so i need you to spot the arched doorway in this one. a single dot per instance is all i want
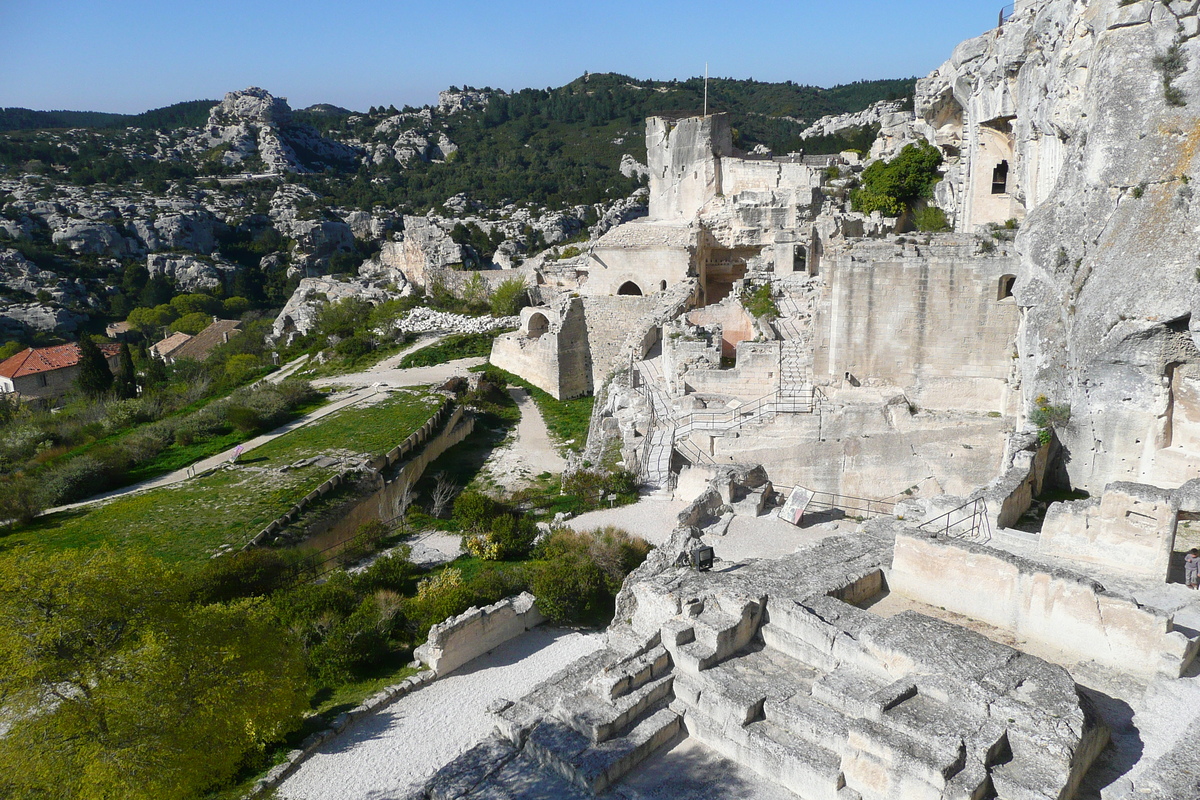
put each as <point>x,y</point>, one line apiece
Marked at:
<point>630,288</point>
<point>1005,290</point>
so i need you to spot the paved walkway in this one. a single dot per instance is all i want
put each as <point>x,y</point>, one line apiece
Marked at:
<point>385,755</point>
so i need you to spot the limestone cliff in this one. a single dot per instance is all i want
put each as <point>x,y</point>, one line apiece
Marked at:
<point>1097,103</point>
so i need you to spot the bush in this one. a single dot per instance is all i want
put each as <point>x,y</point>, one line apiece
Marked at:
<point>355,346</point>
<point>931,219</point>
<point>509,297</point>
<point>19,499</point>
<point>244,420</point>
<point>474,511</point>
<point>889,186</point>
<point>85,475</point>
<point>358,641</point>
<point>760,301</point>
<point>438,597</point>
<point>240,368</point>
<point>581,573</point>
<point>393,571</point>
<point>256,572</point>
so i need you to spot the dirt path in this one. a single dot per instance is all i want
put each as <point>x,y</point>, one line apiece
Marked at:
<point>529,452</point>
<point>389,753</point>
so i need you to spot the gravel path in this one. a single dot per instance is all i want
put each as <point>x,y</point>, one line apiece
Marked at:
<point>652,518</point>
<point>395,377</point>
<point>385,755</point>
<point>529,453</point>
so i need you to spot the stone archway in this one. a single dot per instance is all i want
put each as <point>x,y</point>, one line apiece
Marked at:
<point>536,325</point>
<point>630,288</point>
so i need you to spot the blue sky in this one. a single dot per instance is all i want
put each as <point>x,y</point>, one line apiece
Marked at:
<point>131,55</point>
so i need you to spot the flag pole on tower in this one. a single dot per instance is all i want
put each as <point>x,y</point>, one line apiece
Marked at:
<point>706,88</point>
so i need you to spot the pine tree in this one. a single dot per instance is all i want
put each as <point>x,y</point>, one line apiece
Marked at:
<point>126,380</point>
<point>95,378</point>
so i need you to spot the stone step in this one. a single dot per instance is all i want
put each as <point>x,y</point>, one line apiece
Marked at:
<point>809,720</point>
<point>699,642</point>
<point>625,676</point>
<point>810,771</point>
<point>594,767</point>
<point>601,719</point>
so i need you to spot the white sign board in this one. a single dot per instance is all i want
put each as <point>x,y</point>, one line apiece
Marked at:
<point>793,509</point>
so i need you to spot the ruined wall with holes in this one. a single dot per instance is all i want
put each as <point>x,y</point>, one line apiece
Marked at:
<point>551,350</point>
<point>930,320</point>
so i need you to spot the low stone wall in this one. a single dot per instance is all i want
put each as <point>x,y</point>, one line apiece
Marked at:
<point>1057,608</point>
<point>376,702</point>
<point>476,631</point>
<point>1130,527</point>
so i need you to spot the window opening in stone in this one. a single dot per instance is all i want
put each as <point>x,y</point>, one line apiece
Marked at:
<point>630,288</point>
<point>538,324</point>
<point>1006,287</point>
<point>799,259</point>
<point>662,286</point>
<point>1000,178</point>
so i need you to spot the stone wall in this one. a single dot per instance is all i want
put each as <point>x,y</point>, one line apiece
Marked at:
<point>872,451</point>
<point>651,256</point>
<point>929,320</point>
<point>736,323</point>
<point>755,375</point>
<point>476,631</point>
<point>1130,527</point>
<point>610,321</point>
<point>684,161</point>
<point>558,360</point>
<point>1055,608</point>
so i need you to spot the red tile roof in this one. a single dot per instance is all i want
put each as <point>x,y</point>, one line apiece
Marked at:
<point>48,359</point>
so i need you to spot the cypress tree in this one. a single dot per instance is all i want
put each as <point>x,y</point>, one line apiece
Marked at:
<point>95,378</point>
<point>126,380</point>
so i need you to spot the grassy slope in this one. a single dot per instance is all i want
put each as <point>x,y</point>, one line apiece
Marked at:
<point>190,520</point>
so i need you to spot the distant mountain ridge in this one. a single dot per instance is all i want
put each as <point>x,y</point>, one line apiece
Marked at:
<point>190,113</point>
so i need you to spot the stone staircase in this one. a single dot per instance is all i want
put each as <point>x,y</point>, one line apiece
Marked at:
<point>599,722</point>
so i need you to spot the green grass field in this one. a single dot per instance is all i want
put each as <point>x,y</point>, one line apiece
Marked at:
<point>191,520</point>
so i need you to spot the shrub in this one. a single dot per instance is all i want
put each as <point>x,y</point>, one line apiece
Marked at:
<point>358,641</point>
<point>240,368</point>
<point>509,297</point>
<point>760,301</point>
<point>256,572</point>
<point>19,499</point>
<point>355,346</point>
<point>85,475</point>
<point>244,420</point>
<point>889,186</point>
<point>393,571</point>
<point>581,573</point>
<point>438,597</point>
<point>931,219</point>
<point>474,511</point>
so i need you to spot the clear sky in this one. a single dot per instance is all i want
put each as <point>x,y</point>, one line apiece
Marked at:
<point>132,55</point>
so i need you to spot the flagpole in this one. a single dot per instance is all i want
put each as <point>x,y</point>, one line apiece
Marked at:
<point>706,88</point>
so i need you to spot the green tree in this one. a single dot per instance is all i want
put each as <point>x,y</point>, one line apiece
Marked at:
<point>95,378</point>
<point>150,321</point>
<point>125,382</point>
<point>185,304</point>
<point>890,186</point>
<point>117,686</point>
<point>192,323</point>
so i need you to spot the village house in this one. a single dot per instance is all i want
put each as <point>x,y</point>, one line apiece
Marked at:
<point>45,373</point>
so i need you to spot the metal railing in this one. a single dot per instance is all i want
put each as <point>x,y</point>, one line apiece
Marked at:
<point>833,504</point>
<point>1006,13</point>
<point>804,401</point>
<point>969,521</point>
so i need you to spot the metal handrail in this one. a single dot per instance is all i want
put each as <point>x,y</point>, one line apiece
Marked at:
<point>1006,13</point>
<point>979,528</point>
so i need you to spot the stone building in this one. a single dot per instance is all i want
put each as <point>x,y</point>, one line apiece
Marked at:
<point>47,373</point>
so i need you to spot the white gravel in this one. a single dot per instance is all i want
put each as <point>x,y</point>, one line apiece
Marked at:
<point>401,747</point>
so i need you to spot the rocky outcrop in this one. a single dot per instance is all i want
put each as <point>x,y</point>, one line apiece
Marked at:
<point>252,122</point>
<point>1104,143</point>
<point>194,230</point>
<point>868,117</point>
<point>453,100</point>
<point>190,273</point>
<point>299,315</point>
